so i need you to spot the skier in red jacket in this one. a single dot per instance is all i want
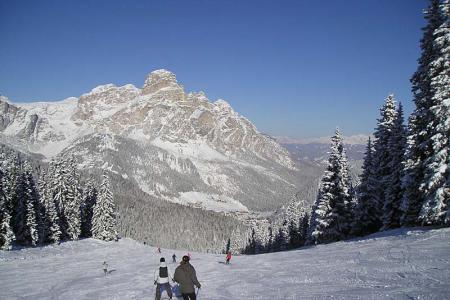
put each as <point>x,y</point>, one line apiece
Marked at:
<point>228,257</point>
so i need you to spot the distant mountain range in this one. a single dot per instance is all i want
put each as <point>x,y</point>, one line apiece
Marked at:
<point>357,139</point>
<point>316,149</point>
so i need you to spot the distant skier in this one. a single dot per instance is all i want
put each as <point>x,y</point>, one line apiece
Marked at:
<point>162,279</point>
<point>228,258</point>
<point>105,268</point>
<point>187,278</point>
<point>159,249</point>
<point>174,258</point>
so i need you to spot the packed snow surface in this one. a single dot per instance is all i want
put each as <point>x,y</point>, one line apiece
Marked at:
<point>397,264</point>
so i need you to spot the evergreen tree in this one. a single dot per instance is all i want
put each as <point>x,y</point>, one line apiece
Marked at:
<point>294,235</point>
<point>228,246</point>
<point>393,195</point>
<point>6,234</point>
<point>294,215</point>
<point>282,239</point>
<point>251,245</point>
<point>73,198</point>
<point>330,215</point>
<point>382,155</point>
<point>436,183</point>
<point>52,233</point>
<point>104,218</point>
<point>11,180</point>
<point>31,202</point>
<point>87,206</point>
<point>367,207</point>
<point>59,191</point>
<point>19,205</point>
<point>269,246</point>
<point>303,228</point>
<point>419,140</point>
<point>237,241</point>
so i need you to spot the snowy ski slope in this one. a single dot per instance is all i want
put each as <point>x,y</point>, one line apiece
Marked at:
<point>397,264</point>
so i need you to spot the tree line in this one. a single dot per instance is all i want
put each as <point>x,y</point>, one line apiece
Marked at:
<point>51,204</point>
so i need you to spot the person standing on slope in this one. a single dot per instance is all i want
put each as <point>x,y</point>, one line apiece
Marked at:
<point>105,267</point>
<point>187,278</point>
<point>162,279</point>
<point>228,258</point>
<point>174,258</point>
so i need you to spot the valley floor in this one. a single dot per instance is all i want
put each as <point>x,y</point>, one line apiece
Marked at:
<point>397,264</point>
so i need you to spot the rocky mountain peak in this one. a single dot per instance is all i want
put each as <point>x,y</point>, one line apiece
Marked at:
<point>160,80</point>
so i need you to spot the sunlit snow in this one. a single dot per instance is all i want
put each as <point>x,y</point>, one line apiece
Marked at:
<point>397,264</point>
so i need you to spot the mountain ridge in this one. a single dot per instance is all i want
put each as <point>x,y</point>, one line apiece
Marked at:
<point>173,145</point>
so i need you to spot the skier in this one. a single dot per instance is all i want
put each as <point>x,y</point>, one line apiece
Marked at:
<point>162,279</point>
<point>228,258</point>
<point>159,250</point>
<point>105,267</point>
<point>185,275</point>
<point>174,258</point>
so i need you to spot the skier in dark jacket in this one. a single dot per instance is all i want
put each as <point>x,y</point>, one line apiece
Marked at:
<point>162,279</point>
<point>174,258</point>
<point>185,275</point>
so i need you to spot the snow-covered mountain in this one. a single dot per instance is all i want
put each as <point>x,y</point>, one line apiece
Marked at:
<point>174,145</point>
<point>396,264</point>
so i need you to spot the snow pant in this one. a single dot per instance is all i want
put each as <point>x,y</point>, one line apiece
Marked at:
<point>160,288</point>
<point>106,271</point>
<point>190,296</point>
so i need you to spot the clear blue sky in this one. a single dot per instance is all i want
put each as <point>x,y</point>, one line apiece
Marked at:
<point>296,68</point>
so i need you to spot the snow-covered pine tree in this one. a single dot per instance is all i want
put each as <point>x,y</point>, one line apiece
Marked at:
<point>30,194</point>
<point>382,155</point>
<point>303,228</point>
<point>73,198</point>
<point>237,241</point>
<point>419,142</point>
<point>52,233</point>
<point>436,184</point>
<point>366,212</point>
<point>281,240</point>
<point>25,216</point>
<point>330,216</point>
<point>19,205</point>
<point>295,213</point>
<point>227,246</point>
<point>393,195</point>
<point>11,167</point>
<point>58,191</point>
<point>250,248</point>
<point>268,246</point>
<point>87,206</point>
<point>7,236</point>
<point>104,218</point>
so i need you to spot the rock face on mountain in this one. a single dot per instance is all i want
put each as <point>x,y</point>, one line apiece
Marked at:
<point>177,146</point>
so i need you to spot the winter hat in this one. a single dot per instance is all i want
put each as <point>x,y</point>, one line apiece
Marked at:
<point>186,258</point>
<point>162,259</point>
